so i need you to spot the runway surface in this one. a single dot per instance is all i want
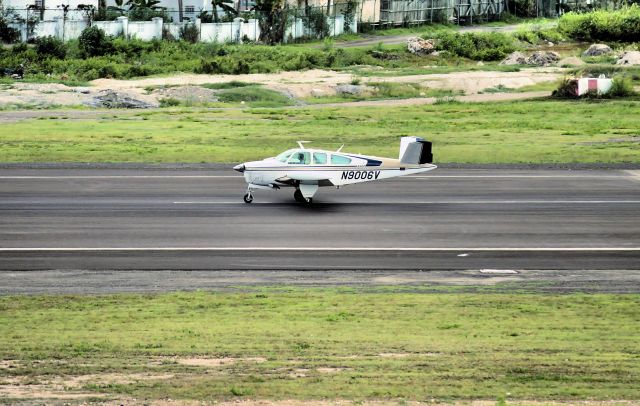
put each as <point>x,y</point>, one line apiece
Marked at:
<point>105,219</point>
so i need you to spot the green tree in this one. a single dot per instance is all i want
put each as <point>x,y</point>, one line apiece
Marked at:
<point>226,5</point>
<point>273,16</point>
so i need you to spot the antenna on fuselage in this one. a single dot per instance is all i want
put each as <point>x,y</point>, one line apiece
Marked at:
<point>340,149</point>
<point>301,144</point>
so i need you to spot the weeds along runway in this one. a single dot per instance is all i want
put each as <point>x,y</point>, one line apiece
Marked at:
<point>107,219</point>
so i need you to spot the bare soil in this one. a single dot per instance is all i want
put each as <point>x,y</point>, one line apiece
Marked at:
<point>297,85</point>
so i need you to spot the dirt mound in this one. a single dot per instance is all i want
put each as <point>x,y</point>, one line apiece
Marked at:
<point>629,58</point>
<point>190,93</point>
<point>115,100</point>
<point>543,58</point>
<point>571,61</point>
<point>597,50</point>
<point>419,46</point>
<point>515,58</point>
<point>538,58</point>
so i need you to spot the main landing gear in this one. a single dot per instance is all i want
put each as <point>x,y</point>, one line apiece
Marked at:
<point>248,197</point>
<point>300,198</point>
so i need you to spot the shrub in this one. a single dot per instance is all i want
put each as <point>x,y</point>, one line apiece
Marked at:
<point>255,95</point>
<point>527,35</point>
<point>621,25</point>
<point>189,33</point>
<point>478,46</point>
<point>94,42</point>
<point>567,89</point>
<point>8,35</point>
<point>391,90</point>
<point>622,87</point>
<point>51,47</point>
<point>169,102</point>
<point>316,22</point>
<point>551,34</point>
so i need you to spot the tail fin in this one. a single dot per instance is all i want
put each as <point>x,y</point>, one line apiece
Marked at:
<point>415,151</point>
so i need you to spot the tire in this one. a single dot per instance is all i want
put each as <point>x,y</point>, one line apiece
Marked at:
<point>248,198</point>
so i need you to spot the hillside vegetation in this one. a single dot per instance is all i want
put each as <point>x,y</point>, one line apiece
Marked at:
<point>603,25</point>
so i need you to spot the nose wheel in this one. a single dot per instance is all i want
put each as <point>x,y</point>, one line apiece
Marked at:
<point>248,198</point>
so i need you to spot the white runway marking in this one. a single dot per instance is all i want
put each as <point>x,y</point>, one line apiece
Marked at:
<point>477,202</point>
<point>335,249</point>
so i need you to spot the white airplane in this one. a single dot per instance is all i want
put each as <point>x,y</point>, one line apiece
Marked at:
<point>308,169</point>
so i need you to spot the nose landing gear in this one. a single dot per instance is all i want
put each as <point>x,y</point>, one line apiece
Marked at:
<point>300,198</point>
<point>248,198</point>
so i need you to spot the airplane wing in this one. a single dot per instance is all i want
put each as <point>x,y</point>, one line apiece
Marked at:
<point>306,178</point>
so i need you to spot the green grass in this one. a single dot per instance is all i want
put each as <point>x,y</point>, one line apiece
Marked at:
<point>540,131</point>
<point>437,66</point>
<point>227,85</point>
<point>255,96</point>
<point>452,346</point>
<point>385,91</point>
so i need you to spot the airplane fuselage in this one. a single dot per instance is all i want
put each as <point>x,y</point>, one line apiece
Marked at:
<point>308,169</point>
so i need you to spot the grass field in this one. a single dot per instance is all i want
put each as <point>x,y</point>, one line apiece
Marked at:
<point>512,132</point>
<point>328,343</point>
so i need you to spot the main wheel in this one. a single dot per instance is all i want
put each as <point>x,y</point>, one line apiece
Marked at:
<point>299,197</point>
<point>248,198</point>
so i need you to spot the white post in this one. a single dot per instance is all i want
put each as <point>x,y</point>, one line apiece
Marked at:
<point>157,24</point>
<point>124,24</point>
<point>199,27</point>
<point>59,27</point>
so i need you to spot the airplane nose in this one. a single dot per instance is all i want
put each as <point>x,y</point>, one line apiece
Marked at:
<point>239,168</point>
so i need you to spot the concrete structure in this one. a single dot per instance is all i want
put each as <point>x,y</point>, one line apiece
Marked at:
<point>598,85</point>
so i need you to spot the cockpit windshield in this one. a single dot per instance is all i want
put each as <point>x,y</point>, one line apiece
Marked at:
<point>300,158</point>
<point>283,157</point>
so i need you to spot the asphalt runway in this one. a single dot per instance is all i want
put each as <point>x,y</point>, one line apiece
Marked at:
<point>448,219</point>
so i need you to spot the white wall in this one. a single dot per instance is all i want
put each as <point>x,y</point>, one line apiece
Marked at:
<point>221,32</point>
<point>145,30</point>
<point>148,30</point>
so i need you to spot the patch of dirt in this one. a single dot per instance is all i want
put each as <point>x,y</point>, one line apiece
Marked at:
<point>331,370</point>
<point>407,354</point>
<point>195,94</point>
<point>215,362</point>
<point>8,364</point>
<point>297,85</point>
<point>68,387</point>
<point>571,61</point>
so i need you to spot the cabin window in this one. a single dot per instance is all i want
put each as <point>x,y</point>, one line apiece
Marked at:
<point>284,157</point>
<point>319,158</point>
<point>340,160</point>
<point>300,158</point>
